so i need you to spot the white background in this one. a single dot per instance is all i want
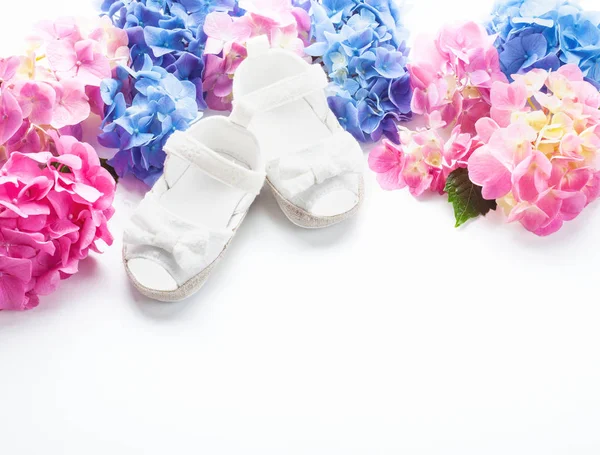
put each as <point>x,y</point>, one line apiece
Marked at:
<point>391,334</point>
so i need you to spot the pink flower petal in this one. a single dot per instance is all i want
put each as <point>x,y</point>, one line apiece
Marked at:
<point>11,117</point>
<point>87,192</point>
<point>72,106</point>
<point>385,157</point>
<point>416,175</point>
<point>8,67</point>
<point>63,28</point>
<point>279,11</point>
<point>47,283</point>
<point>36,100</point>
<point>550,228</point>
<point>12,293</point>
<point>388,162</point>
<point>218,103</point>
<point>571,72</point>
<point>62,57</point>
<point>92,72</point>
<point>530,216</point>
<point>550,204</point>
<point>485,127</point>
<point>509,97</point>
<point>18,268</point>
<point>572,206</point>
<point>219,25</point>
<point>480,77</point>
<point>85,50</point>
<point>592,189</point>
<point>489,173</point>
<point>576,179</point>
<point>223,86</point>
<point>419,103</point>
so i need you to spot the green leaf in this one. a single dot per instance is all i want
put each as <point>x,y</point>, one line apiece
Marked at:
<point>109,168</point>
<point>466,197</point>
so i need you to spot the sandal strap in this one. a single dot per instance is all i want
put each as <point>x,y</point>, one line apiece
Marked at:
<point>184,146</point>
<point>154,232</point>
<point>298,171</point>
<point>278,94</point>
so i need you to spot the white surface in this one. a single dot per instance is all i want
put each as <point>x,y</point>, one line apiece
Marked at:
<point>402,336</point>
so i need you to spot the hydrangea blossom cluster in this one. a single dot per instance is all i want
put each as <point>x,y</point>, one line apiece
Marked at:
<point>56,85</point>
<point>451,78</point>
<point>55,198</point>
<point>143,108</point>
<point>184,54</point>
<point>166,41</point>
<point>423,160</point>
<point>170,32</point>
<point>362,45</point>
<point>546,34</point>
<point>540,157</point>
<point>54,208</point>
<point>287,27</point>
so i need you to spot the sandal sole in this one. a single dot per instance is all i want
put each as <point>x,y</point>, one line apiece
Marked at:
<point>306,220</point>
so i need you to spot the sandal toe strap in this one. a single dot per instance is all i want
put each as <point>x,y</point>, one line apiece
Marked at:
<point>156,233</point>
<point>297,172</point>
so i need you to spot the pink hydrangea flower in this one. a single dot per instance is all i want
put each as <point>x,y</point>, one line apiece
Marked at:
<point>540,152</point>
<point>422,162</point>
<point>57,84</point>
<point>222,30</point>
<point>218,77</point>
<point>78,61</point>
<point>54,209</point>
<point>531,145</point>
<point>287,27</point>
<point>452,76</point>
<point>55,198</point>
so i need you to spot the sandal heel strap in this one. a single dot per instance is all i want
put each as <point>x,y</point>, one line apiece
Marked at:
<point>278,94</point>
<point>184,146</point>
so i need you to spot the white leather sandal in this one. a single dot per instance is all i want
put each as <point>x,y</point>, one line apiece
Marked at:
<point>314,167</point>
<point>184,224</point>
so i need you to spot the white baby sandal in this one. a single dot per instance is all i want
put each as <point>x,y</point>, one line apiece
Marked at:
<point>184,224</point>
<point>314,167</point>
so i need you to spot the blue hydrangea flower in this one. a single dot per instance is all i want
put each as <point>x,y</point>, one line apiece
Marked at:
<point>362,45</point>
<point>165,27</point>
<point>143,108</point>
<point>546,34</point>
<point>161,92</point>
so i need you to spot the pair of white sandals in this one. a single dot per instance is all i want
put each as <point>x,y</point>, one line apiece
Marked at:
<point>215,170</point>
